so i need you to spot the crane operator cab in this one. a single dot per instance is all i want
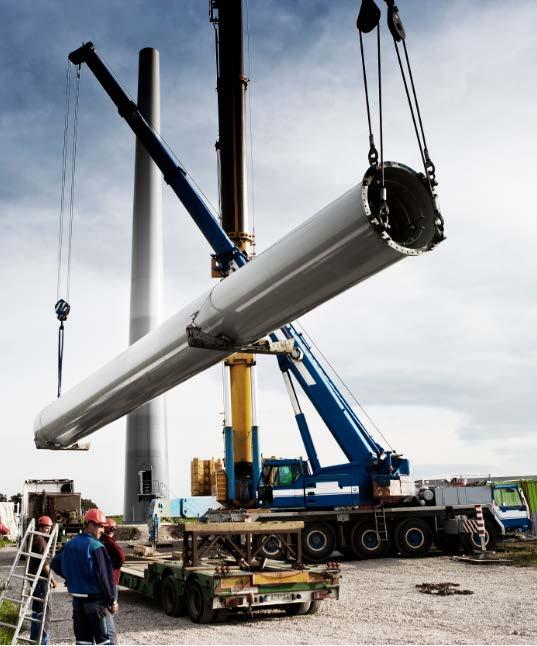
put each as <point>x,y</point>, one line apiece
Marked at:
<point>289,483</point>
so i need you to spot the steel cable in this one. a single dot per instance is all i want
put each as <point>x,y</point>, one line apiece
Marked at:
<point>72,193</point>
<point>63,173</point>
<point>341,382</point>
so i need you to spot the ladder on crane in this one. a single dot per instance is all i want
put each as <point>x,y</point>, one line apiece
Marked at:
<point>20,588</point>
<point>380,524</point>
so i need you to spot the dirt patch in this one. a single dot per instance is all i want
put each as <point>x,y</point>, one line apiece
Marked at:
<point>442,589</point>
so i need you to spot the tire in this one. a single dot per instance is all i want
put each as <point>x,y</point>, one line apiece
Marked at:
<point>318,542</point>
<point>272,549</point>
<point>413,537</point>
<point>472,542</point>
<point>295,609</point>
<point>365,543</point>
<point>198,607</point>
<point>314,607</point>
<point>172,602</point>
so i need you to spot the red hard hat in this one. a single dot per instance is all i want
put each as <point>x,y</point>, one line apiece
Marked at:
<point>110,525</point>
<point>95,516</point>
<point>46,521</point>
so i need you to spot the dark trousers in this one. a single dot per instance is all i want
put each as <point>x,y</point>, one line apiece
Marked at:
<point>91,621</point>
<point>37,613</point>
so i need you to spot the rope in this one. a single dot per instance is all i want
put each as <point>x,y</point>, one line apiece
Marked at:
<point>63,172</point>
<point>167,145</point>
<point>411,107</point>
<point>342,383</point>
<point>372,156</point>
<point>415,96</point>
<point>60,357</point>
<point>62,307</point>
<point>72,195</point>
<point>383,204</point>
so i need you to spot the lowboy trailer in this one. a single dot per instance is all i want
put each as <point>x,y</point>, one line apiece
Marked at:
<point>223,569</point>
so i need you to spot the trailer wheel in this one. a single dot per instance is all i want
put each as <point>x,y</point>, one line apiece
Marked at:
<point>198,606</point>
<point>220,615</point>
<point>314,607</point>
<point>173,603</point>
<point>473,542</point>
<point>272,548</point>
<point>365,542</point>
<point>413,537</point>
<point>318,542</point>
<point>295,609</point>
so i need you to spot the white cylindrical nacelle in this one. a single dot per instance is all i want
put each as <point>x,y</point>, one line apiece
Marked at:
<point>335,249</point>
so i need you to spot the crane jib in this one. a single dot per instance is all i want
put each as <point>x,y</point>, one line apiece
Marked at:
<point>226,253</point>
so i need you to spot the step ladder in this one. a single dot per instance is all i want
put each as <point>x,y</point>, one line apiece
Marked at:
<point>380,524</point>
<point>20,588</point>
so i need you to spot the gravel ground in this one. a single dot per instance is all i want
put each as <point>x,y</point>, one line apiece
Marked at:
<point>379,604</point>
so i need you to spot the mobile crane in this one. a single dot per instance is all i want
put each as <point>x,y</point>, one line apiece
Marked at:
<point>372,474</point>
<point>368,504</point>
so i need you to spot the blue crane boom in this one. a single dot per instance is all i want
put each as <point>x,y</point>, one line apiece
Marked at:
<point>340,418</point>
<point>227,255</point>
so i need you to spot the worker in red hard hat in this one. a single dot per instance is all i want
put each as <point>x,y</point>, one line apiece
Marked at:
<point>87,570</point>
<point>117,558</point>
<point>116,554</point>
<point>44,615</point>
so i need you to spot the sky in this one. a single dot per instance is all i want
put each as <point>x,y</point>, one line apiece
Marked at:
<point>440,349</point>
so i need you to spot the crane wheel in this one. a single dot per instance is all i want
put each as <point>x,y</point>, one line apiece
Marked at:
<point>413,537</point>
<point>172,602</point>
<point>365,543</point>
<point>199,608</point>
<point>472,542</point>
<point>318,542</point>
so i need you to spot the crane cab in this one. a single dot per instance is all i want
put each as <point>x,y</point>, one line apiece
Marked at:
<point>290,483</point>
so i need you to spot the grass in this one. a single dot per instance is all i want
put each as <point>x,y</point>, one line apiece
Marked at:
<point>522,554</point>
<point>8,613</point>
<point>4,542</point>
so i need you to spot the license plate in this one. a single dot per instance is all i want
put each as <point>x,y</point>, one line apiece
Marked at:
<point>280,596</point>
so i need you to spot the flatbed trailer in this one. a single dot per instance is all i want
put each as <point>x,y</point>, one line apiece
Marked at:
<point>375,532</point>
<point>222,570</point>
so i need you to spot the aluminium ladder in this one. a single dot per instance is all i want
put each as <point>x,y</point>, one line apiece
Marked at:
<point>23,594</point>
<point>380,524</point>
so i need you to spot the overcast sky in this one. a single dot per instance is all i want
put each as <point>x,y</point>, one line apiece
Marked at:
<point>440,349</point>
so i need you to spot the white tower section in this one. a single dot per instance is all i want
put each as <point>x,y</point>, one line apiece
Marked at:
<point>146,454</point>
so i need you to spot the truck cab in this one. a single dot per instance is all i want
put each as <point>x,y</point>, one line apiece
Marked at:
<point>505,502</point>
<point>511,508</point>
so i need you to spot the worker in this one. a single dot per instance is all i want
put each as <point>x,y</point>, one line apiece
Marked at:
<point>117,558</point>
<point>114,551</point>
<point>44,615</point>
<point>87,570</point>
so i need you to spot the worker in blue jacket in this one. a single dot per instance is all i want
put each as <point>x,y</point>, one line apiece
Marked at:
<point>87,570</point>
